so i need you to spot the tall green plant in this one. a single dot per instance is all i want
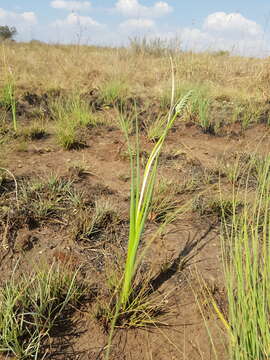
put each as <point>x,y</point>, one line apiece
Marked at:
<point>141,196</point>
<point>203,112</point>
<point>8,92</point>
<point>247,273</point>
<point>141,192</point>
<point>8,100</point>
<point>10,88</point>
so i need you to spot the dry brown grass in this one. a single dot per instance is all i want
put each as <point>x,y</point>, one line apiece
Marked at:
<point>39,67</point>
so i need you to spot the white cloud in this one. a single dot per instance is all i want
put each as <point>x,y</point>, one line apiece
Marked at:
<point>29,17</point>
<point>221,31</point>
<point>77,20</point>
<point>137,24</point>
<point>17,19</point>
<point>132,8</point>
<point>71,5</point>
<point>75,28</point>
<point>233,24</point>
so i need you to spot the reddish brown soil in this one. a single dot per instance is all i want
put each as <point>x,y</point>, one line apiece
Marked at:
<point>191,243</point>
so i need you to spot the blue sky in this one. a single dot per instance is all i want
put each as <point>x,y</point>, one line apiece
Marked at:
<point>239,26</point>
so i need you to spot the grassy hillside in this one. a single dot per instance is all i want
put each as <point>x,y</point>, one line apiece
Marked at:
<point>97,261</point>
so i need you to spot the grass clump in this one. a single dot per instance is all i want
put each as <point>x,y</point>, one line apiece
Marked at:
<point>114,90</point>
<point>164,202</point>
<point>71,115</point>
<point>91,224</point>
<point>218,207</point>
<point>143,309</point>
<point>31,203</point>
<point>34,132</point>
<point>250,113</point>
<point>32,307</point>
<point>247,274</point>
<point>7,93</point>
<point>45,199</point>
<point>8,100</point>
<point>243,169</point>
<point>204,115</point>
<point>199,109</point>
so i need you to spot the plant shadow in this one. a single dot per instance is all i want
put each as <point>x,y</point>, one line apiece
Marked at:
<point>191,249</point>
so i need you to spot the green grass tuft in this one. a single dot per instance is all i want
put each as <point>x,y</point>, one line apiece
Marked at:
<point>32,307</point>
